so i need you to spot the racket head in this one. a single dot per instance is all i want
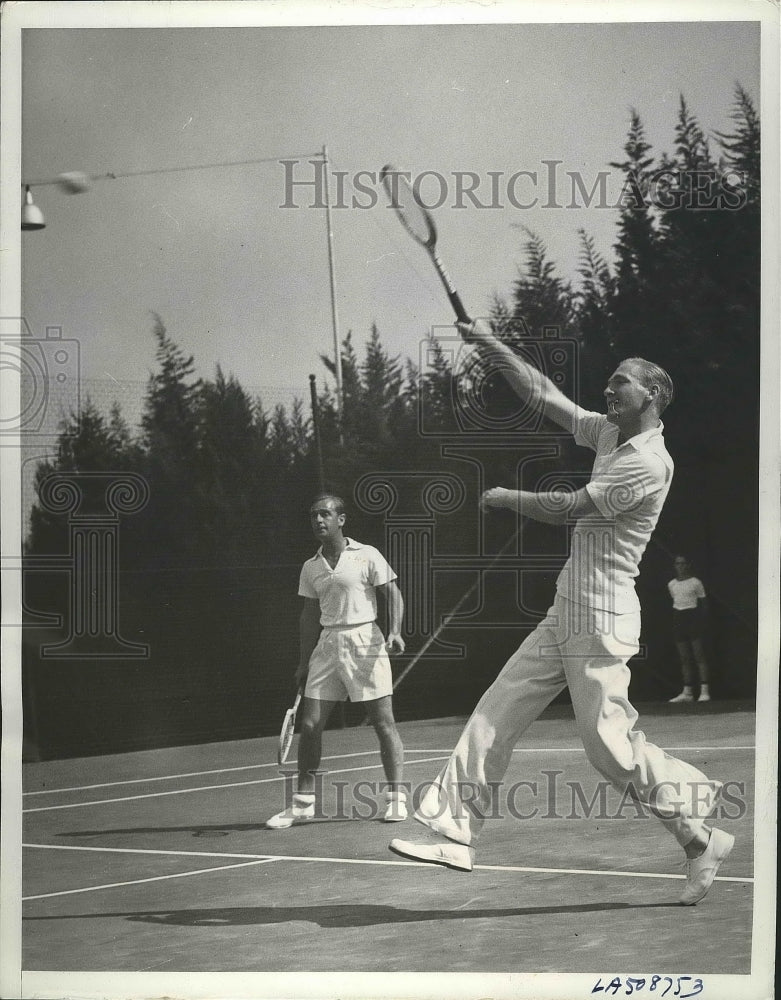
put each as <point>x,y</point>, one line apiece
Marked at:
<point>412,215</point>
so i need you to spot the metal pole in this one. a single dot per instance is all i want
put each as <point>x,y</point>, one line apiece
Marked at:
<point>316,428</point>
<point>334,309</point>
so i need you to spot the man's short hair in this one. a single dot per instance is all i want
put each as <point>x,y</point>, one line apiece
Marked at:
<point>339,505</point>
<point>651,375</point>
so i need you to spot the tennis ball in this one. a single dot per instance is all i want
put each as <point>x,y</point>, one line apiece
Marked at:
<point>73,182</point>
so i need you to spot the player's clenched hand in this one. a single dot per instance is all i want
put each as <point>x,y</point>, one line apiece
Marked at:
<point>478,332</point>
<point>496,497</point>
<point>394,643</point>
<point>301,673</point>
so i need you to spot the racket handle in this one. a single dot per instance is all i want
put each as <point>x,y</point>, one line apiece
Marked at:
<point>458,308</point>
<point>455,300</point>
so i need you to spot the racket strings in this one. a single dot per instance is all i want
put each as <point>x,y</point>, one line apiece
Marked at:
<point>413,216</point>
<point>390,233</point>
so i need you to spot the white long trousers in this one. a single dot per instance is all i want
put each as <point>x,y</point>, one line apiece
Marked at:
<point>586,650</point>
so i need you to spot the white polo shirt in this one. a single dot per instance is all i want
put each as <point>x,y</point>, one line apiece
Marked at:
<point>629,484</point>
<point>686,593</point>
<point>346,591</point>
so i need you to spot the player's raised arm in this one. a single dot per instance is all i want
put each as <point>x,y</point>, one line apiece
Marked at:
<point>527,381</point>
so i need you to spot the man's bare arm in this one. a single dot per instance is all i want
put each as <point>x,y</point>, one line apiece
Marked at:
<point>552,507</point>
<point>309,633</point>
<point>527,381</point>
<point>395,601</point>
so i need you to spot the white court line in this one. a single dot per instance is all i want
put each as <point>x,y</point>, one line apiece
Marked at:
<point>338,756</point>
<point>149,850</point>
<point>193,774</point>
<point>140,881</point>
<point>579,749</point>
<point>343,770</point>
<point>257,859</point>
<point>208,788</point>
<point>600,871</point>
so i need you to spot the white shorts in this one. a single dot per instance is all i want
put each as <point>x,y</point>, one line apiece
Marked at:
<point>350,662</point>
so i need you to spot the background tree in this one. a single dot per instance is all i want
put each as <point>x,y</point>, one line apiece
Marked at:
<point>210,566</point>
<point>170,426</point>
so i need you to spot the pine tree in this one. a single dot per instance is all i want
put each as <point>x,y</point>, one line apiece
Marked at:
<point>281,440</point>
<point>127,450</point>
<point>300,430</point>
<point>171,412</point>
<point>689,226</point>
<point>170,431</point>
<point>710,268</point>
<point>636,233</point>
<point>381,399</point>
<point>86,444</point>
<point>636,248</point>
<point>432,393</point>
<point>542,311</point>
<point>541,298</point>
<point>598,352</point>
<point>742,148</point>
<point>229,452</point>
<point>740,275</point>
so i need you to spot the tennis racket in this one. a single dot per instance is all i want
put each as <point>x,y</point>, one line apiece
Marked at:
<point>420,225</point>
<point>288,728</point>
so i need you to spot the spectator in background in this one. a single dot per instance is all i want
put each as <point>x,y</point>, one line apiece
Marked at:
<point>689,618</point>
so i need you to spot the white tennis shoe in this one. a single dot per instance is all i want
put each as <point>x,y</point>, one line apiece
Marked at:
<point>395,808</point>
<point>683,696</point>
<point>436,850</point>
<point>301,810</point>
<point>701,871</point>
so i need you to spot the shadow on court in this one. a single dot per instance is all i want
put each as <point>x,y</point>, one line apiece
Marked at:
<point>157,900</point>
<point>204,830</point>
<point>357,915</point>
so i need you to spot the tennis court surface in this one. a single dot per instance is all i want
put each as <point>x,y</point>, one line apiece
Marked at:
<point>159,861</point>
